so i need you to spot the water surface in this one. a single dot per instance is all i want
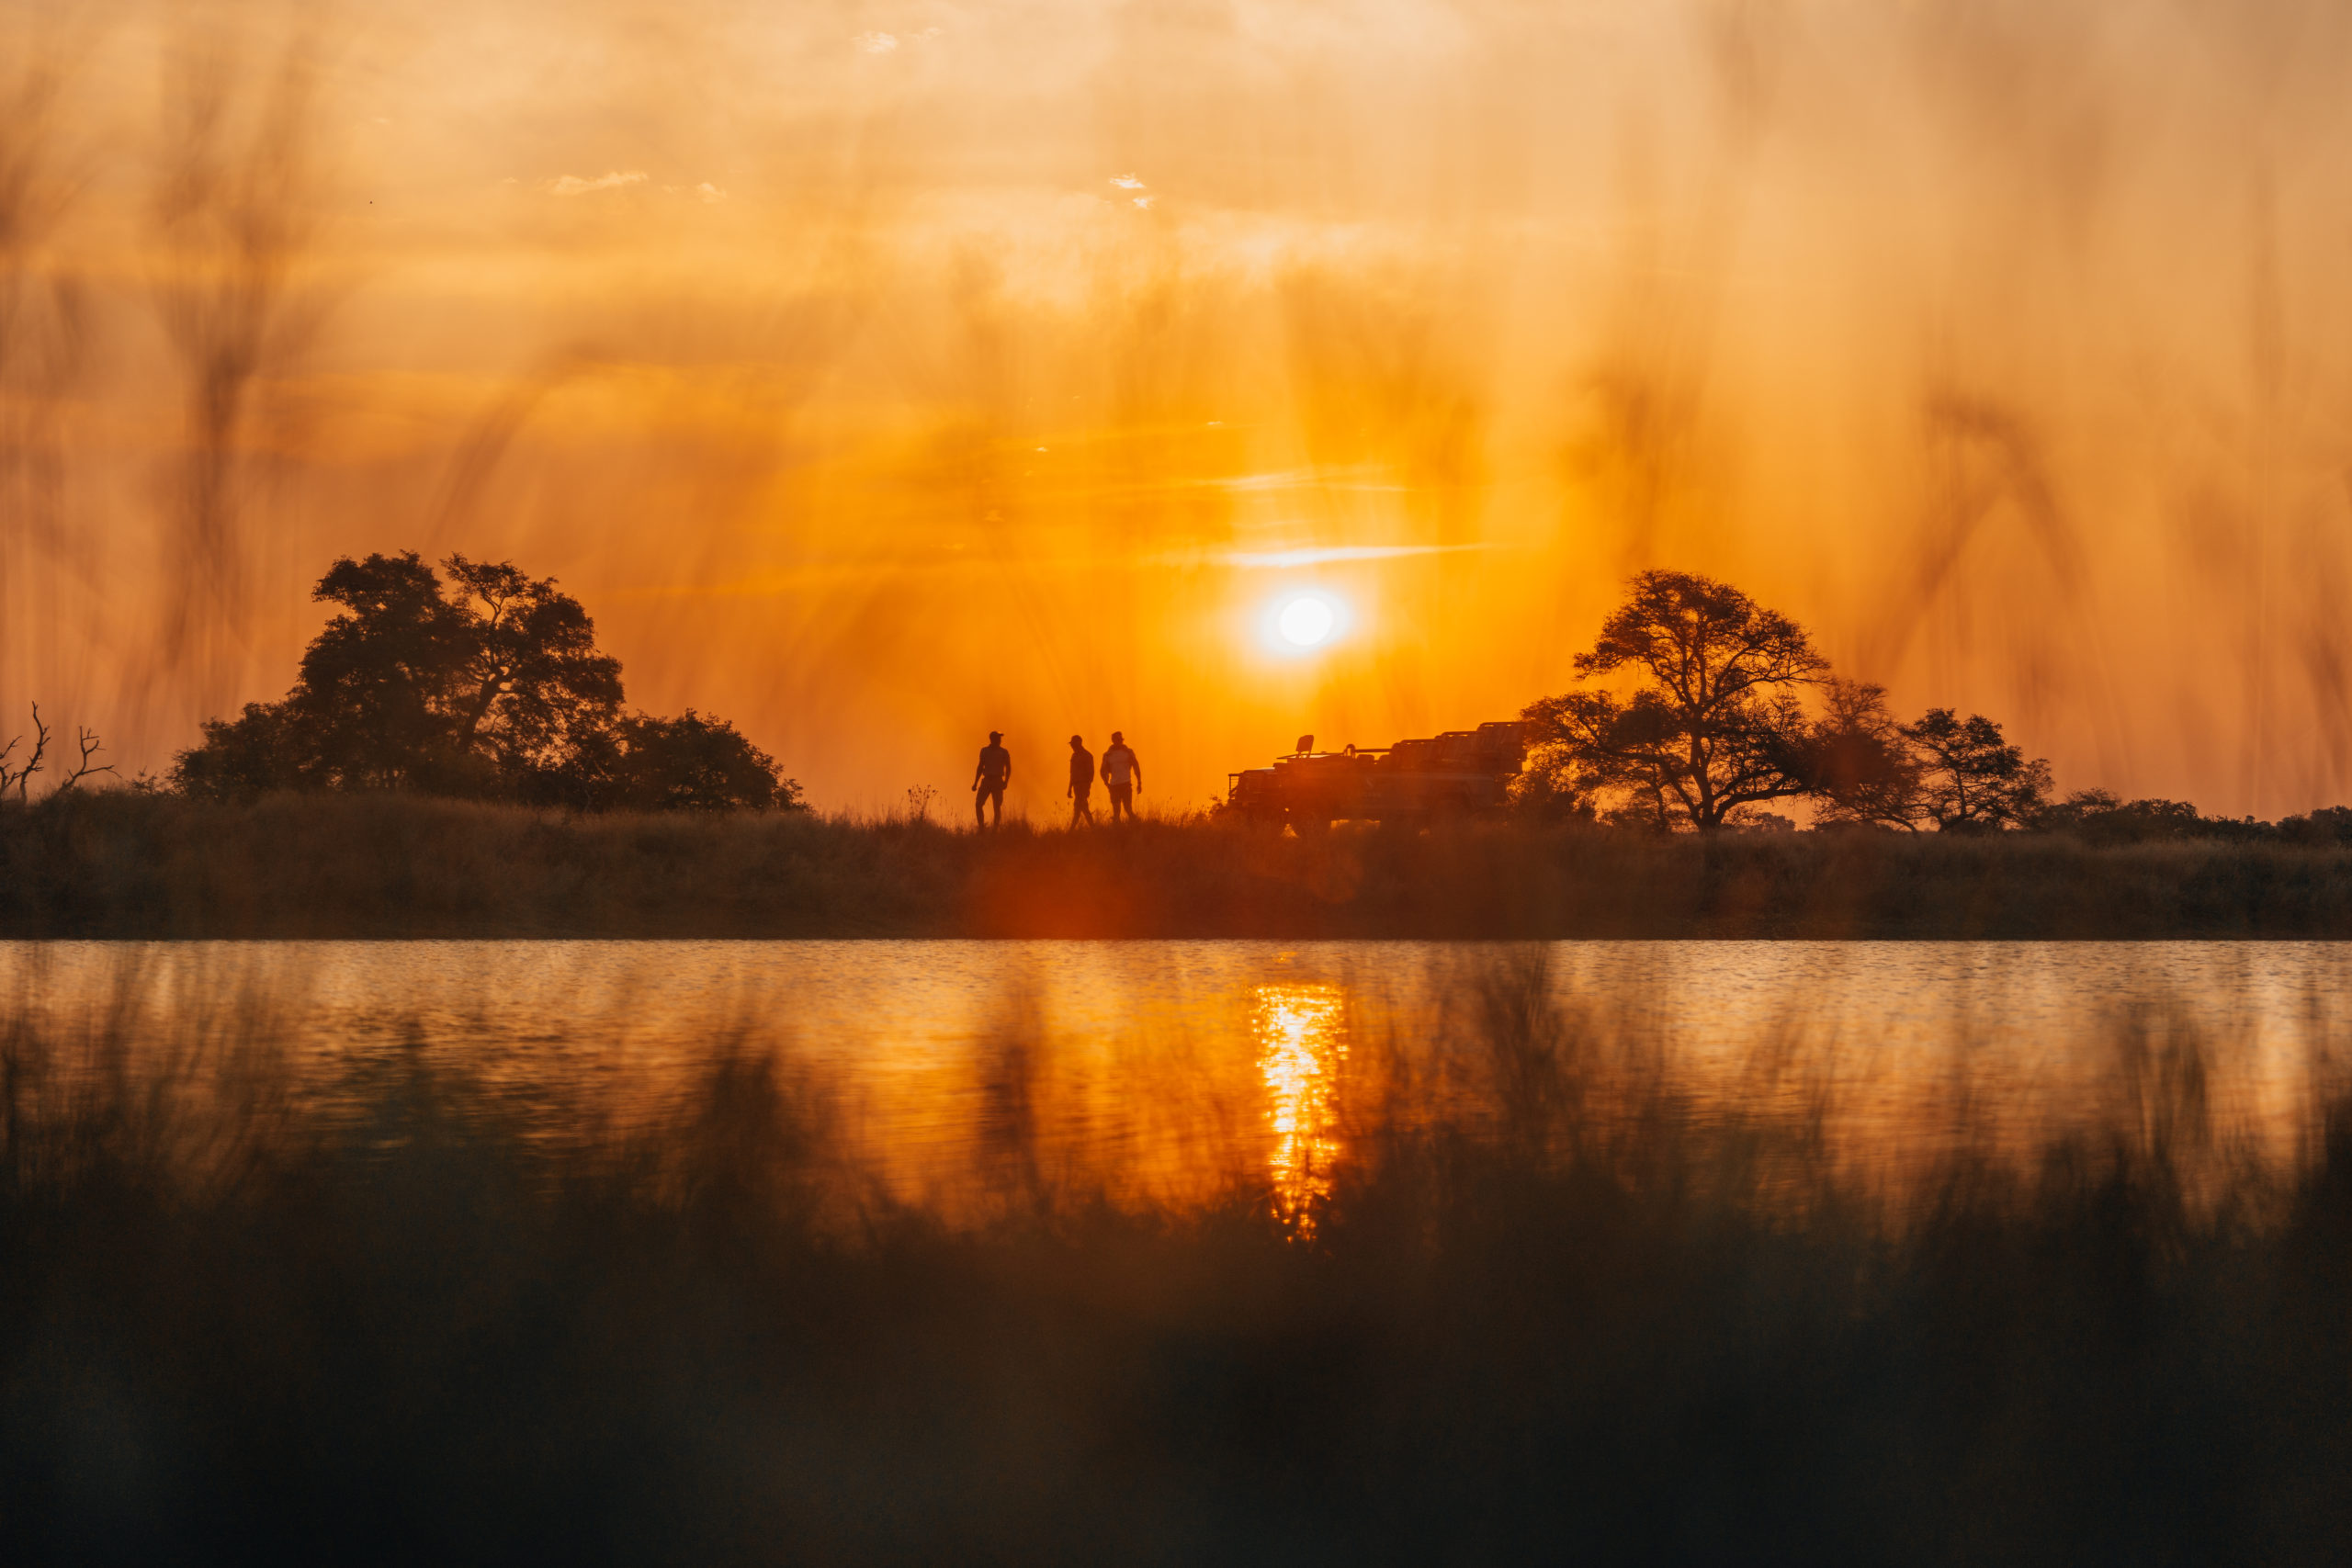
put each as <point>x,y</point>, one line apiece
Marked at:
<point>1169,1072</point>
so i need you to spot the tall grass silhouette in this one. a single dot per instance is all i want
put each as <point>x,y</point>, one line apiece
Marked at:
<point>123,864</point>
<point>1552,1305</point>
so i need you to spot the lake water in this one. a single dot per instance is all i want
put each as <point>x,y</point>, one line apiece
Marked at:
<point>1162,1073</point>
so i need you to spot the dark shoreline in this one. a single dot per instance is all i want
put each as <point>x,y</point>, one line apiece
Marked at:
<point>126,867</point>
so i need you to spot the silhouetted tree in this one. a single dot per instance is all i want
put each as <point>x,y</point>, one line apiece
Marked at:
<point>1548,788</point>
<point>2099,817</point>
<point>1863,767</point>
<point>488,684</point>
<point>531,680</point>
<point>1715,725</point>
<point>375,704</point>
<point>470,688</point>
<point>1974,780</point>
<point>697,764</point>
<point>2328,825</point>
<point>258,752</point>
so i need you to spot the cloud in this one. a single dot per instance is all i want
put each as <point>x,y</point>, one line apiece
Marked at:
<point>1146,200</point>
<point>1337,553</point>
<point>573,184</point>
<point>1363,477</point>
<point>889,565</point>
<point>876,43</point>
<point>1126,182</point>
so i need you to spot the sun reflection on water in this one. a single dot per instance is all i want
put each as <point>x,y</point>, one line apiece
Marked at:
<point>1301,1042</point>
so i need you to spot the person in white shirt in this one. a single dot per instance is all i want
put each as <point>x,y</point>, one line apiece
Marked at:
<point>1123,774</point>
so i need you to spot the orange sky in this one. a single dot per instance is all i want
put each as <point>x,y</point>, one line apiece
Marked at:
<point>879,375</point>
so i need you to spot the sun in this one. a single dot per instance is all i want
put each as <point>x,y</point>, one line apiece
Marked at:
<point>1303,621</point>
<point>1306,620</point>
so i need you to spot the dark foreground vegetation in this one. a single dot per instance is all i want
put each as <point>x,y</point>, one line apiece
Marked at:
<point>123,864</point>
<point>408,1321</point>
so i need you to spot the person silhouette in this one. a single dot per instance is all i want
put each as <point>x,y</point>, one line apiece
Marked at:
<point>1082,780</point>
<point>1122,774</point>
<point>989,779</point>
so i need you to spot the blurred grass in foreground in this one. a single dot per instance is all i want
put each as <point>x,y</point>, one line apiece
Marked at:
<point>1572,1318</point>
<point>122,864</point>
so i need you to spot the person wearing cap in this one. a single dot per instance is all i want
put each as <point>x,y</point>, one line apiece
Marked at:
<point>1122,774</point>
<point>994,772</point>
<point>1082,780</point>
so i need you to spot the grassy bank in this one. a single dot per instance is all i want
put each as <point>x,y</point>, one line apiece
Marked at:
<point>410,1321</point>
<point>126,865</point>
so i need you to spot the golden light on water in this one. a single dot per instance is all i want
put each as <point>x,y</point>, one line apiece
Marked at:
<point>1301,1043</point>
<point>1149,1077</point>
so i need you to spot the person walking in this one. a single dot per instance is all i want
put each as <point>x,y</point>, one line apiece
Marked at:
<point>1122,774</point>
<point>1082,780</point>
<point>989,779</point>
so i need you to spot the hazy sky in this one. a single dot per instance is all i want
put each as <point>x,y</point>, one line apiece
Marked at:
<point>882,374</point>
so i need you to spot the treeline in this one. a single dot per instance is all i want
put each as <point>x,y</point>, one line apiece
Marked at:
<point>2097,816</point>
<point>1698,708</point>
<point>1708,726</point>
<point>488,685</point>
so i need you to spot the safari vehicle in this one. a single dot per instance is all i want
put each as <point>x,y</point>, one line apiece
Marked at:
<point>1463,772</point>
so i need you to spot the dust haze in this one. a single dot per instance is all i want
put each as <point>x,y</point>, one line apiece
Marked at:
<point>879,375</point>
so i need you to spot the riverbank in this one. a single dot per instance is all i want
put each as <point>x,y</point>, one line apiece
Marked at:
<point>119,866</point>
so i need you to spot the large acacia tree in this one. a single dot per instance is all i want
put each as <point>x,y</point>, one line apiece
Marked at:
<point>485,685</point>
<point>1712,724</point>
<point>488,684</point>
<point>474,686</point>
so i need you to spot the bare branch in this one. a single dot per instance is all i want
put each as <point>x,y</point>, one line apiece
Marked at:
<point>87,740</point>
<point>21,777</point>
